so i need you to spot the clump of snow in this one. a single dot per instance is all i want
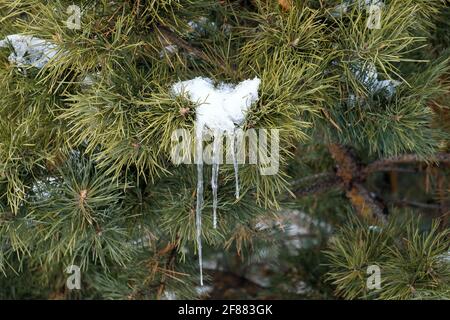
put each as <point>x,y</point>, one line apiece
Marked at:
<point>143,242</point>
<point>169,295</point>
<point>90,79</point>
<point>297,226</point>
<point>29,50</point>
<point>201,26</point>
<point>219,108</point>
<point>343,8</point>
<point>368,76</point>
<point>42,189</point>
<point>204,290</point>
<point>168,50</point>
<point>446,257</point>
<point>375,228</point>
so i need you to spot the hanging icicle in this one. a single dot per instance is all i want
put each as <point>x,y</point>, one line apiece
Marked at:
<point>215,172</point>
<point>221,109</point>
<point>235,163</point>
<point>198,210</point>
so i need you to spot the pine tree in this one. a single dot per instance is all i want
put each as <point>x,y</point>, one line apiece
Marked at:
<point>357,90</point>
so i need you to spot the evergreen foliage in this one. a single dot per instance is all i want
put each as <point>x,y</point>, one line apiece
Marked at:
<point>363,114</point>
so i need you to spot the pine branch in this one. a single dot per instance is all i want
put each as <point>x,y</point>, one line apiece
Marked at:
<point>169,36</point>
<point>171,250</point>
<point>224,279</point>
<point>349,170</point>
<point>368,171</point>
<point>381,164</point>
<point>351,174</point>
<point>365,204</point>
<point>326,182</point>
<point>414,204</point>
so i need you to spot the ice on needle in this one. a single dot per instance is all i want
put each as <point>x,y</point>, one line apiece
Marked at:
<point>221,109</point>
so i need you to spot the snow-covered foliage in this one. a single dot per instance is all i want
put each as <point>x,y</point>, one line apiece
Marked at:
<point>222,107</point>
<point>219,108</point>
<point>29,50</point>
<point>368,76</point>
<point>343,8</point>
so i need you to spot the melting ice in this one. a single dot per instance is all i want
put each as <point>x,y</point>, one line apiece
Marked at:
<point>221,109</point>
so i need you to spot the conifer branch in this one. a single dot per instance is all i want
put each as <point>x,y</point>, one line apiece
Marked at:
<point>236,280</point>
<point>414,204</point>
<point>171,37</point>
<point>171,251</point>
<point>326,181</point>
<point>87,123</point>
<point>349,170</point>
<point>443,158</point>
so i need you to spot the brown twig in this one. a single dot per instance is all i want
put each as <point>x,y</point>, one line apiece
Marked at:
<point>366,172</point>
<point>351,175</point>
<point>349,170</point>
<point>414,204</point>
<point>405,159</point>
<point>348,167</point>
<point>228,284</point>
<point>166,268</point>
<point>365,204</point>
<point>171,251</point>
<point>324,184</point>
<point>443,192</point>
<point>171,37</point>
<point>318,176</point>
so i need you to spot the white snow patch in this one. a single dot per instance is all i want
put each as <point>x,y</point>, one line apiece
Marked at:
<point>297,226</point>
<point>204,290</point>
<point>219,108</point>
<point>222,107</point>
<point>375,228</point>
<point>261,226</point>
<point>143,242</point>
<point>42,188</point>
<point>29,50</point>
<point>446,257</point>
<point>169,295</point>
<point>368,76</point>
<point>91,79</point>
<point>343,8</point>
<point>168,50</point>
<point>211,264</point>
<point>301,288</point>
<point>202,25</point>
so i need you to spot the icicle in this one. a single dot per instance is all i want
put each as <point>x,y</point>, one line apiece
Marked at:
<point>235,163</point>
<point>222,108</point>
<point>198,211</point>
<point>215,173</point>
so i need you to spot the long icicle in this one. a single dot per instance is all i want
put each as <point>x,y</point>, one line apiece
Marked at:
<point>235,164</point>
<point>198,211</point>
<point>215,172</point>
